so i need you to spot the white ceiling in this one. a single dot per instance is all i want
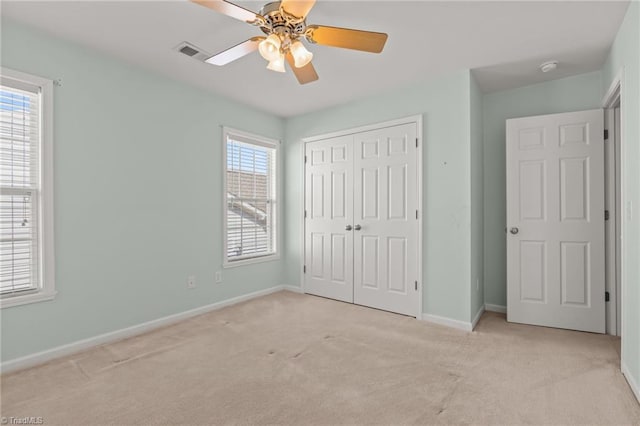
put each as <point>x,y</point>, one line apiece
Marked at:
<point>503,42</point>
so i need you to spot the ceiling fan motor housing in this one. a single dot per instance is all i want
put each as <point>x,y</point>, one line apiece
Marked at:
<point>279,22</point>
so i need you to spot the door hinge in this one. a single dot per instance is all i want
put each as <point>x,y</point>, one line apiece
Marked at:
<point>305,214</point>
<point>416,285</point>
<point>606,296</point>
<point>304,269</point>
<point>416,214</point>
<point>305,158</point>
<point>606,215</point>
<point>416,142</point>
<point>606,134</point>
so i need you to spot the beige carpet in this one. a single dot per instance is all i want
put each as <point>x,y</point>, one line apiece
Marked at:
<point>295,359</point>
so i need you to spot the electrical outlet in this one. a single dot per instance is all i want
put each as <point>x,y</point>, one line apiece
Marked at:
<point>191,281</point>
<point>218,277</point>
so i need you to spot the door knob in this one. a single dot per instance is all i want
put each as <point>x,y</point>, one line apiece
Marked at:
<point>514,230</point>
<point>348,228</point>
<point>357,227</point>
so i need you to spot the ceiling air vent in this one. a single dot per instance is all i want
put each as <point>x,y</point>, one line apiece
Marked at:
<point>192,51</point>
<point>188,51</point>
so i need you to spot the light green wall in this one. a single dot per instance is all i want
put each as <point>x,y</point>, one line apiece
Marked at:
<point>444,105</point>
<point>577,93</point>
<point>625,53</point>
<point>138,195</point>
<point>477,199</point>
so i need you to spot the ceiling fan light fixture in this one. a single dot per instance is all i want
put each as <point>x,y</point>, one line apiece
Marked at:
<point>284,24</point>
<point>269,48</point>
<point>277,64</point>
<point>300,54</point>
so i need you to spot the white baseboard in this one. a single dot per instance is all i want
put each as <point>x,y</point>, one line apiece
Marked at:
<point>631,380</point>
<point>495,308</point>
<point>292,288</point>
<point>460,325</point>
<point>477,318</point>
<point>80,345</point>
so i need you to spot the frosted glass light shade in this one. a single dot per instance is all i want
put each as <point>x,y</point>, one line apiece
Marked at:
<point>269,48</point>
<point>277,64</point>
<point>300,54</point>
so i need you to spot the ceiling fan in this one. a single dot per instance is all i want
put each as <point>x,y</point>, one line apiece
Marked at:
<point>285,26</point>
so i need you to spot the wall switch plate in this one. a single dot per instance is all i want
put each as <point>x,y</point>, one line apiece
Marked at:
<point>191,281</point>
<point>218,277</point>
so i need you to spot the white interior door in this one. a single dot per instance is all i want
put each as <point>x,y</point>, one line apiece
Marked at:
<point>386,224</point>
<point>555,221</point>
<point>329,217</point>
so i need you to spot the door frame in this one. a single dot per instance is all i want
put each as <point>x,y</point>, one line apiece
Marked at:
<point>616,94</point>
<point>614,208</point>
<point>414,119</point>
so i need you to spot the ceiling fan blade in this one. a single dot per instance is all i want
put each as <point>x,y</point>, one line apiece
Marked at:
<point>346,38</point>
<point>235,52</point>
<point>297,8</point>
<point>306,74</point>
<point>231,9</point>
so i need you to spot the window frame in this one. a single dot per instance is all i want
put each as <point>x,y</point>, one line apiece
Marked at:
<point>44,202</point>
<point>258,140</point>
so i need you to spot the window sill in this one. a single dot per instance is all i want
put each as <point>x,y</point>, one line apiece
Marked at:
<point>42,296</point>
<point>250,261</point>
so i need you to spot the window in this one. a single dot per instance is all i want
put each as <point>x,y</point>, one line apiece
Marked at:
<point>26,196</point>
<point>250,198</point>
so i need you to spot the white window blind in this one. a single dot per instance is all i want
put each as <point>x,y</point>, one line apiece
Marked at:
<point>20,133</point>
<point>250,198</point>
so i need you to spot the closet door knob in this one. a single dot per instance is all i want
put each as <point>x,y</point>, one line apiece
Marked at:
<point>348,228</point>
<point>357,227</point>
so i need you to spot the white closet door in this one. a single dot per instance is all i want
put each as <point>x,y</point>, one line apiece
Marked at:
<point>329,211</point>
<point>385,220</point>
<point>555,218</point>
